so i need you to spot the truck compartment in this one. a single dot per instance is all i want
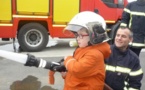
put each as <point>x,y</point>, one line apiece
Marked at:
<point>64,10</point>
<point>32,7</point>
<point>6,11</point>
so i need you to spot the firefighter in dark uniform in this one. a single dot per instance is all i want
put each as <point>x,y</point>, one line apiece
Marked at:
<point>123,70</point>
<point>134,18</point>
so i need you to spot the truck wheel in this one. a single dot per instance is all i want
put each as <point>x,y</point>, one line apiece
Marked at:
<point>113,31</point>
<point>33,37</point>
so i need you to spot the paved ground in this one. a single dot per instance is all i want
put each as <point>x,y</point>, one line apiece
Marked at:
<point>16,76</point>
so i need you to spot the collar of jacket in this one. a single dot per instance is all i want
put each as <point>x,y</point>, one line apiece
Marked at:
<point>120,52</point>
<point>140,2</point>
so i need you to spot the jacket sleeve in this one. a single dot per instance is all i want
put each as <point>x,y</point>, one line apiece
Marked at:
<point>89,64</point>
<point>135,77</point>
<point>126,16</point>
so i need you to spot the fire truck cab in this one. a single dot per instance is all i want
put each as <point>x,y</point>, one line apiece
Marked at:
<point>33,21</point>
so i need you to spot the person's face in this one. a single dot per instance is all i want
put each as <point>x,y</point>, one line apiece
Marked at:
<point>122,38</point>
<point>82,38</point>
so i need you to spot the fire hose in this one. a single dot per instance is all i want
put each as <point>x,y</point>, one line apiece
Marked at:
<point>31,60</point>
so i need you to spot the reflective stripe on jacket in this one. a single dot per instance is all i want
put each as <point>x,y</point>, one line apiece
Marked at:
<point>134,18</point>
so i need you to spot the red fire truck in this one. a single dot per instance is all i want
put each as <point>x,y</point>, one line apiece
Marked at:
<point>33,21</point>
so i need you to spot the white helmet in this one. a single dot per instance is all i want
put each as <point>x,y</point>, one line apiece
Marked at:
<point>81,19</point>
<point>92,22</point>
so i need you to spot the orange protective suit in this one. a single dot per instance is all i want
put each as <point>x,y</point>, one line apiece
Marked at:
<point>86,69</point>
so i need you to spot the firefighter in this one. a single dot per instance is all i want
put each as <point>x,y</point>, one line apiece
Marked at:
<point>134,18</point>
<point>123,69</point>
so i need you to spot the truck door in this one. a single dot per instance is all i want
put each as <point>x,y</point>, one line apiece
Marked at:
<point>6,11</point>
<point>111,9</point>
<point>87,5</point>
<point>5,18</point>
<point>107,9</point>
<point>32,7</point>
<point>119,6</point>
<point>64,10</point>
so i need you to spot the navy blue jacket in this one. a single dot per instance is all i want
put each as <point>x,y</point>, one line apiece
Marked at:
<point>123,70</point>
<point>134,17</point>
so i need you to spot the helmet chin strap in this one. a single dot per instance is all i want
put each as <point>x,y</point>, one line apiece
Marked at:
<point>89,43</point>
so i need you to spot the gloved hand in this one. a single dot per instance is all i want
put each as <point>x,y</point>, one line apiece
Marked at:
<point>51,65</point>
<point>60,68</point>
<point>32,61</point>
